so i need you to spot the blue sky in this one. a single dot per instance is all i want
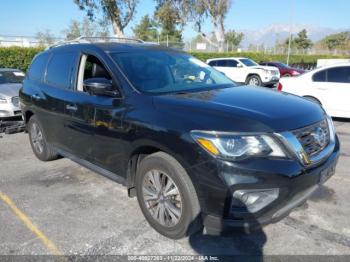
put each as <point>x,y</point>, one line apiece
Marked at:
<point>26,17</point>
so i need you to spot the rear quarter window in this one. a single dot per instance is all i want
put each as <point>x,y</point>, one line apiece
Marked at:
<point>319,76</point>
<point>213,63</point>
<point>37,68</point>
<point>60,68</point>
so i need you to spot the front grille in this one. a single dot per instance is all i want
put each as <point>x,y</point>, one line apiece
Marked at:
<point>313,138</point>
<point>15,101</point>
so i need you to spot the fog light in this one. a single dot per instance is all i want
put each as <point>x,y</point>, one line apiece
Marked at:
<point>253,199</point>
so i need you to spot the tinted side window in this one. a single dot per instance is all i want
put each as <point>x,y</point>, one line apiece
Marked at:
<point>320,76</point>
<point>213,63</point>
<point>231,63</point>
<point>221,63</point>
<point>339,74</point>
<point>60,69</point>
<point>37,68</point>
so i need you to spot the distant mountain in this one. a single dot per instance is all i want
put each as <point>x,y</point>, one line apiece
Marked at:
<point>267,36</point>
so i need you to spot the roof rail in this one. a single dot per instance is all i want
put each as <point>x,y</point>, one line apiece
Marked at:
<point>89,40</point>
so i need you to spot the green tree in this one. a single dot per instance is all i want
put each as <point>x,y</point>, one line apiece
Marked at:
<point>169,21</point>
<point>216,10</point>
<point>146,29</point>
<point>302,40</point>
<point>335,41</point>
<point>198,10</point>
<point>233,38</point>
<point>85,28</point>
<point>118,12</point>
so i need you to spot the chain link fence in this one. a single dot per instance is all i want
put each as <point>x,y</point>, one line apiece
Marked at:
<point>188,46</point>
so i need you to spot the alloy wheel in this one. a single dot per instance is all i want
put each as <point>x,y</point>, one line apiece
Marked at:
<point>162,198</point>
<point>37,138</point>
<point>254,81</point>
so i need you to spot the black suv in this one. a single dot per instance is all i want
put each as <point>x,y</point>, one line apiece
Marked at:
<point>194,148</point>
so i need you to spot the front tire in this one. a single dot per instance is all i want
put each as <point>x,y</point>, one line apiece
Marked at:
<point>167,196</point>
<point>254,80</point>
<point>40,147</point>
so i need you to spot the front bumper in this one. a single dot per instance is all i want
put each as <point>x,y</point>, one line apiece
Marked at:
<point>9,110</point>
<point>270,81</point>
<point>295,184</point>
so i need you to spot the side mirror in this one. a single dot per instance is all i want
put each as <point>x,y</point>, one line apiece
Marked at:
<point>100,86</point>
<point>239,65</point>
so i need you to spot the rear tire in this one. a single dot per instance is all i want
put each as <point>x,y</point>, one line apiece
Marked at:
<point>40,147</point>
<point>254,80</point>
<point>167,196</point>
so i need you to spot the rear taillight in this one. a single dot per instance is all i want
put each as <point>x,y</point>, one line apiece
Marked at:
<point>279,87</point>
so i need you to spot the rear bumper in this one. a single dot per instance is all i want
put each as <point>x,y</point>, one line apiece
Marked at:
<point>295,185</point>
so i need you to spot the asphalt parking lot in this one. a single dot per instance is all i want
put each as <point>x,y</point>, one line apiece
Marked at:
<point>61,208</point>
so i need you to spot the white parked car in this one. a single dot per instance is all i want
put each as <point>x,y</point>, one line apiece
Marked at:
<point>328,86</point>
<point>10,83</point>
<point>245,70</point>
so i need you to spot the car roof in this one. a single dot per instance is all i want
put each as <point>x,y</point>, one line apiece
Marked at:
<point>318,69</point>
<point>226,58</point>
<point>111,47</point>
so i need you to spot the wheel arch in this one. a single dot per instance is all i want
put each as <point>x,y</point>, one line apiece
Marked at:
<point>27,115</point>
<point>134,160</point>
<point>251,74</point>
<point>139,153</point>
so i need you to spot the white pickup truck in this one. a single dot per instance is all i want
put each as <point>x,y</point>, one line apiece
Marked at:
<point>246,71</point>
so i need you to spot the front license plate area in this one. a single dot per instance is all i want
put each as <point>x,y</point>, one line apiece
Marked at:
<point>327,173</point>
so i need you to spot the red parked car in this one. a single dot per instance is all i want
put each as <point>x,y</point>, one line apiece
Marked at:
<point>285,70</point>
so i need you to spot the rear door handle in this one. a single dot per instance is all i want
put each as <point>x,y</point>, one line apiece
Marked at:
<point>71,107</point>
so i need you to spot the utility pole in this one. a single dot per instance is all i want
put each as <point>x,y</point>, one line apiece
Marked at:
<point>290,30</point>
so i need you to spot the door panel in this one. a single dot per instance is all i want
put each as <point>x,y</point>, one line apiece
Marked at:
<point>111,135</point>
<point>333,88</point>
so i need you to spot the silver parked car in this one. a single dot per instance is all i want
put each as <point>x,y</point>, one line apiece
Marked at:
<point>10,83</point>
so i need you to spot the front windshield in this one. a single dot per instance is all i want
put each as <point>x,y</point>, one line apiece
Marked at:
<point>11,77</point>
<point>159,72</point>
<point>248,62</point>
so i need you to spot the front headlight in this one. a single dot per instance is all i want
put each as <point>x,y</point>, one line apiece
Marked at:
<point>268,72</point>
<point>3,100</point>
<point>238,146</point>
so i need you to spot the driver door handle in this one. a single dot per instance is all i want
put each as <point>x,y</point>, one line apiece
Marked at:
<point>71,107</point>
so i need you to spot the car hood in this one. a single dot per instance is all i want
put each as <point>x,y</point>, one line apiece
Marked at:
<point>301,71</point>
<point>265,67</point>
<point>242,109</point>
<point>10,90</point>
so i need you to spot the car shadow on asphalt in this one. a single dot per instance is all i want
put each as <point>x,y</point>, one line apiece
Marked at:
<point>234,244</point>
<point>239,245</point>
